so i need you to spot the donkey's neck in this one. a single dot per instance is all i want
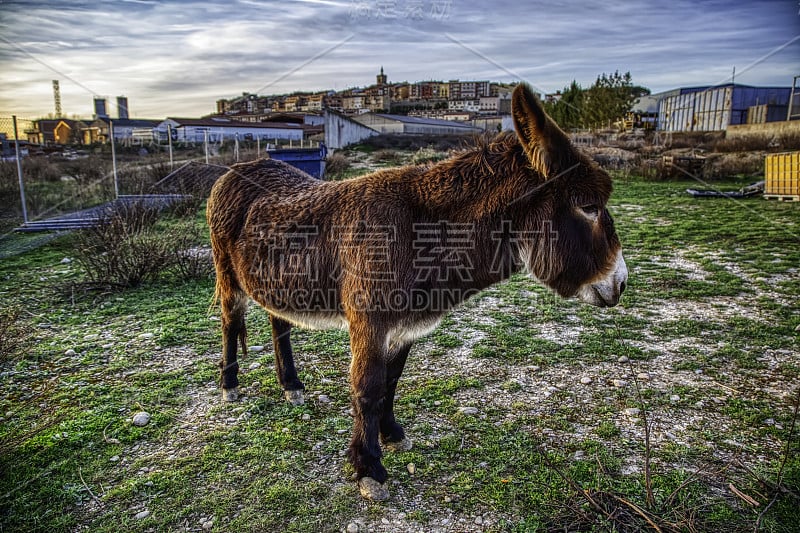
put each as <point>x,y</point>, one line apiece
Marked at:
<point>491,180</point>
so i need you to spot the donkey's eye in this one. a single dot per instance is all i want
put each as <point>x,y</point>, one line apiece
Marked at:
<point>591,211</point>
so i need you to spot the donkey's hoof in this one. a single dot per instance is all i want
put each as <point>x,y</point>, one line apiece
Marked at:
<point>400,446</point>
<point>372,490</point>
<point>230,395</point>
<point>294,397</point>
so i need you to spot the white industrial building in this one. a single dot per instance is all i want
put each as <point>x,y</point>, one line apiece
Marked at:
<point>384,123</point>
<point>194,130</point>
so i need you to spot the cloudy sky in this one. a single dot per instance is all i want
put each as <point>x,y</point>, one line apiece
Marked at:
<point>178,57</point>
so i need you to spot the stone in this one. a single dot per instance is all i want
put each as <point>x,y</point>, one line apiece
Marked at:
<point>468,410</point>
<point>323,398</point>
<point>142,514</point>
<point>674,398</point>
<point>66,261</point>
<point>70,352</point>
<point>114,459</point>
<point>586,380</point>
<point>412,468</point>
<point>644,376</point>
<point>623,359</point>
<point>306,416</point>
<point>255,349</point>
<point>254,366</point>
<point>402,446</point>
<point>352,527</point>
<point>294,397</point>
<point>372,490</point>
<point>146,335</point>
<point>632,411</point>
<point>141,419</point>
<point>208,524</point>
<point>478,520</point>
<point>619,383</point>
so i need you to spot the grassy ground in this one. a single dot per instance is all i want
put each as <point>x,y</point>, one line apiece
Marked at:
<point>703,348</point>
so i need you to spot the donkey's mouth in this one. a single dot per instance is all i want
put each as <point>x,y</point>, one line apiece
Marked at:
<point>606,292</point>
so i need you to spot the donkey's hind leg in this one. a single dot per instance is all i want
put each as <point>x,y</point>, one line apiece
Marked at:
<point>284,361</point>
<point>234,309</point>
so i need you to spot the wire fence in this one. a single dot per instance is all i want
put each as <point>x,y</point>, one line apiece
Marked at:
<point>70,165</point>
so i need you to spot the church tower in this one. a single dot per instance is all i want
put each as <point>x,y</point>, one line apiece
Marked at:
<point>381,78</point>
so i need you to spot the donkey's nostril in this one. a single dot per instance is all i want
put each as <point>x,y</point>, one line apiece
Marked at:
<point>622,287</point>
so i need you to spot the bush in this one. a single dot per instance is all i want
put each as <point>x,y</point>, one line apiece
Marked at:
<point>192,261</point>
<point>386,156</point>
<point>124,249</point>
<point>14,332</point>
<point>336,164</point>
<point>427,155</point>
<point>130,247</point>
<point>404,142</point>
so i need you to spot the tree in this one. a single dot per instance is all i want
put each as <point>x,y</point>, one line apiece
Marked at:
<point>568,110</point>
<point>610,98</point>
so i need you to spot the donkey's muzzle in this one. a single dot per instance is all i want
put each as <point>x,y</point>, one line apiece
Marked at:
<point>607,291</point>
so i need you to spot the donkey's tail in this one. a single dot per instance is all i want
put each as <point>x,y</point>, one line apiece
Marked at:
<point>243,339</point>
<point>225,287</point>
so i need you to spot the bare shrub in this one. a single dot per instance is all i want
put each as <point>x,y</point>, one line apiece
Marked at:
<point>140,178</point>
<point>734,164</point>
<point>336,164</point>
<point>427,155</point>
<point>125,249</point>
<point>752,143</point>
<point>40,169</point>
<point>386,156</point>
<point>192,262</point>
<point>14,332</point>
<point>395,141</point>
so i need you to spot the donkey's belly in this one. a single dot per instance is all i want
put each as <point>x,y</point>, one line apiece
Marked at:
<point>312,320</point>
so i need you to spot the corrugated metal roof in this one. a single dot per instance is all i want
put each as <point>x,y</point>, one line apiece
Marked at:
<point>227,123</point>
<point>426,121</point>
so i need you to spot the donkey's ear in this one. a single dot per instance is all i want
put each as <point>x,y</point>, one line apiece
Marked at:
<point>545,144</point>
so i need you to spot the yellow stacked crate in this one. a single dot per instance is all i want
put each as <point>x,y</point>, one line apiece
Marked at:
<point>782,176</point>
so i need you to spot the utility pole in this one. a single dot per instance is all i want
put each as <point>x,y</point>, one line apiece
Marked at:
<point>19,172</point>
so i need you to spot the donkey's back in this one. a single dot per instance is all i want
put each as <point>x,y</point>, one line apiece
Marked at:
<point>264,181</point>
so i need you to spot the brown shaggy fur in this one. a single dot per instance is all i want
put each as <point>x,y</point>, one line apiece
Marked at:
<point>386,255</point>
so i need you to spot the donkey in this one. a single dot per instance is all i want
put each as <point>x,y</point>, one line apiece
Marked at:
<point>388,254</point>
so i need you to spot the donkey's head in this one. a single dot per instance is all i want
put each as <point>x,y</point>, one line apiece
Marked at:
<point>578,253</point>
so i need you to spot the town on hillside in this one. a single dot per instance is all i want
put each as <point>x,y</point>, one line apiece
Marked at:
<point>417,108</point>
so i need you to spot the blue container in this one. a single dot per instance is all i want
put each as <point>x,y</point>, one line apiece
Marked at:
<point>309,160</point>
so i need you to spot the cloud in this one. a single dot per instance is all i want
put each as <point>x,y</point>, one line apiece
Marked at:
<point>179,57</point>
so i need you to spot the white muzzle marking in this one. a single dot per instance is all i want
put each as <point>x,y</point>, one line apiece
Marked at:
<point>607,291</point>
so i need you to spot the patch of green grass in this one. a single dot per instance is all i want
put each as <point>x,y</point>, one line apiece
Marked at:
<point>262,465</point>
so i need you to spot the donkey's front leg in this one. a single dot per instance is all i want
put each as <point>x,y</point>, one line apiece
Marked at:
<point>368,391</point>
<point>392,434</point>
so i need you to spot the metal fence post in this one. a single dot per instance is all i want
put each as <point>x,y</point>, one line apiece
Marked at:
<point>169,142</point>
<point>205,142</point>
<point>19,172</point>
<point>113,158</point>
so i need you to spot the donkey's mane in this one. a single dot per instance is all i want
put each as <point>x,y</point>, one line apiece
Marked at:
<point>484,155</point>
